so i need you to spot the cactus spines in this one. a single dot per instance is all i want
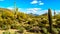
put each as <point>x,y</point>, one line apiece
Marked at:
<point>50,20</point>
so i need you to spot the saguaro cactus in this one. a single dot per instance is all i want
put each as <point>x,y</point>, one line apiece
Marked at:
<point>15,9</point>
<point>54,14</point>
<point>50,20</point>
<point>3,16</point>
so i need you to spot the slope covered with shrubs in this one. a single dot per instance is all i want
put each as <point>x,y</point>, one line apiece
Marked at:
<point>30,23</point>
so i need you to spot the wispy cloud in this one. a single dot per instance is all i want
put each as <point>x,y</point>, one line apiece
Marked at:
<point>33,10</point>
<point>1,0</point>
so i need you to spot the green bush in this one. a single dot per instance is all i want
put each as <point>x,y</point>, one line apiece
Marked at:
<point>45,30</point>
<point>27,27</point>
<point>6,32</point>
<point>16,33</point>
<point>44,21</point>
<point>55,31</point>
<point>5,27</point>
<point>35,29</point>
<point>21,29</point>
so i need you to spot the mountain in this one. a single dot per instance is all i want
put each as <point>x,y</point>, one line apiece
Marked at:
<point>33,14</point>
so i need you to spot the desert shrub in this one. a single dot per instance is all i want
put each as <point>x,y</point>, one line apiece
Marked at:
<point>58,29</point>
<point>55,31</point>
<point>15,32</point>
<point>13,26</point>
<point>30,22</point>
<point>41,25</point>
<point>6,32</point>
<point>28,27</point>
<point>44,21</point>
<point>35,29</point>
<point>44,30</point>
<point>58,21</point>
<point>4,27</point>
<point>21,29</point>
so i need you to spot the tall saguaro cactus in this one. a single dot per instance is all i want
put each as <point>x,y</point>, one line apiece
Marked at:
<point>50,20</point>
<point>15,9</point>
<point>15,6</point>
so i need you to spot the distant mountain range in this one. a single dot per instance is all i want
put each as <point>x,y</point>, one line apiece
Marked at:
<point>34,14</point>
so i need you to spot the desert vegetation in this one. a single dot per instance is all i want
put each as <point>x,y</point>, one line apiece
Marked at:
<point>16,22</point>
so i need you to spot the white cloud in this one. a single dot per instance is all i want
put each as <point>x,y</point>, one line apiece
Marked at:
<point>46,11</point>
<point>1,0</point>
<point>9,8</point>
<point>34,2</point>
<point>33,10</point>
<point>41,3</point>
<point>12,8</point>
<point>37,2</point>
<point>42,12</point>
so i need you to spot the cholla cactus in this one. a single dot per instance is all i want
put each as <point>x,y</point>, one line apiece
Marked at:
<point>50,19</point>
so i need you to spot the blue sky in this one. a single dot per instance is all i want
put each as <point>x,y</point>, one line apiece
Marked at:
<point>32,6</point>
